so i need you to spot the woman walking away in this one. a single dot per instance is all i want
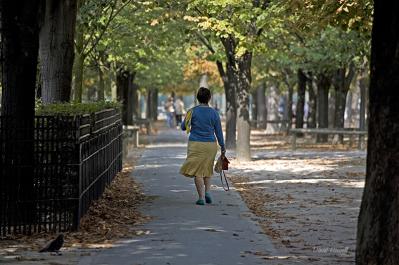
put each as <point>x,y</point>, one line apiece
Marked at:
<point>203,123</point>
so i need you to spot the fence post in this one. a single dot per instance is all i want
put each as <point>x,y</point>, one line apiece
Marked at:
<point>293,141</point>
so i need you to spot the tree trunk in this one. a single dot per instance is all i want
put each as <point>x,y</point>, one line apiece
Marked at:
<point>363,101</point>
<point>155,104</point>
<point>91,94</point>
<point>38,92</point>
<point>78,64</point>
<point>272,106</point>
<point>261,117</point>
<point>230,82</point>
<point>312,114</point>
<point>284,100</point>
<point>362,110</point>
<point>349,110</point>
<point>152,104</point>
<point>112,82</point>
<point>340,104</point>
<point>323,86</point>
<point>135,102</point>
<point>19,50</point>
<point>289,107</point>
<point>243,149</point>
<point>204,81</point>
<point>331,108</point>
<point>122,90</point>
<point>57,50</point>
<point>300,105</point>
<point>355,107</point>
<point>378,230</point>
<point>149,114</point>
<point>340,101</point>
<point>231,110</point>
<point>130,109</point>
<point>101,83</point>
<point>254,108</point>
<point>287,76</point>
<point>341,87</point>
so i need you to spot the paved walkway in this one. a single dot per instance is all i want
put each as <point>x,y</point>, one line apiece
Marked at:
<point>183,233</point>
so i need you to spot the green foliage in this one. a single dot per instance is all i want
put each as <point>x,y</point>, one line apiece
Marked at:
<point>228,18</point>
<point>94,20</point>
<point>151,38</point>
<point>316,36</point>
<point>330,49</point>
<point>75,108</point>
<point>145,38</point>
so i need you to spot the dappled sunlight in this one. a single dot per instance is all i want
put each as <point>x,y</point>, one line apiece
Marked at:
<point>355,184</point>
<point>103,245</point>
<point>180,191</point>
<point>154,166</point>
<point>308,200</point>
<point>210,229</point>
<point>166,145</point>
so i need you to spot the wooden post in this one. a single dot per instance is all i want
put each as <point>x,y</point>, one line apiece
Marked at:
<point>361,141</point>
<point>293,141</point>
<point>148,127</point>
<point>136,138</point>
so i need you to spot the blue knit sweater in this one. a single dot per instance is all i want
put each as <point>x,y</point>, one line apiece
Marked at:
<point>205,124</point>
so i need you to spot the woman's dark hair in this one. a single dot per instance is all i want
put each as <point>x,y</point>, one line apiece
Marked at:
<point>203,95</point>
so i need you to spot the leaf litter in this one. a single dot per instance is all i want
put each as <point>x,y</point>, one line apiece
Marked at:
<point>113,217</point>
<point>306,201</point>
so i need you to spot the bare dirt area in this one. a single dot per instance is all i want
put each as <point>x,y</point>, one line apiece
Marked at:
<point>114,216</point>
<point>307,200</point>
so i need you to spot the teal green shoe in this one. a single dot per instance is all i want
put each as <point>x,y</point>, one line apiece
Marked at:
<point>208,198</point>
<point>200,202</point>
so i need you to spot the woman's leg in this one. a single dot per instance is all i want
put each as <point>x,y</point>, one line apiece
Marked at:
<point>208,197</point>
<point>199,184</point>
<point>207,181</point>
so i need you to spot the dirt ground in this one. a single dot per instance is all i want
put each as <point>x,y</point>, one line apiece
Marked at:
<point>307,200</point>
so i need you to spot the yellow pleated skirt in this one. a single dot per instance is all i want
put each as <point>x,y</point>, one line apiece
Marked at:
<point>200,159</point>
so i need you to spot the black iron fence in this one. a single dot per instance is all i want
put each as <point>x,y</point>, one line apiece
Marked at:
<point>52,172</point>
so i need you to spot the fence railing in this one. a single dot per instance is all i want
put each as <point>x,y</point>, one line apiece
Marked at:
<point>50,177</point>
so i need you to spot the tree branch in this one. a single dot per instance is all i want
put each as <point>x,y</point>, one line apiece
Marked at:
<point>111,17</point>
<point>221,69</point>
<point>205,42</point>
<point>350,75</point>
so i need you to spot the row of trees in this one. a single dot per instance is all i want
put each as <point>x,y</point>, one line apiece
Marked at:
<point>302,45</point>
<point>152,46</point>
<point>87,47</point>
<point>103,42</point>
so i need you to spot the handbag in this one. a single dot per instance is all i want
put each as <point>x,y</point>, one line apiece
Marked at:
<point>222,164</point>
<point>187,120</point>
<point>225,163</point>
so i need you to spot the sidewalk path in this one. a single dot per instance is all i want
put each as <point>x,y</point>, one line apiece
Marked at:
<point>183,233</point>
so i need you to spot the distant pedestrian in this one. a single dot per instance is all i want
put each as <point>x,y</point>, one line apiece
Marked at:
<point>217,108</point>
<point>179,111</point>
<point>203,123</point>
<point>170,112</point>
